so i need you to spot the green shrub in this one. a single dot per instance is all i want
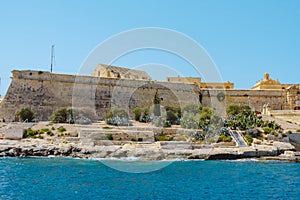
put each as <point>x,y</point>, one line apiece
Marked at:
<point>224,138</point>
<point>173,114</point>
<point>68,115</point>
<point>235,109</point>
<point>44,130</point>
<point>208,118</point>
<point>298,131</point>
<point>61,115</point>
<point>137,113</point>
<point>35,134</point>
<point>173,117</point>
<point>30,133</point>
<point>117,116</point>
<point>284,134</point>
<point>61,129</point>
<point>160,122</point>
<point>106,127</point>
<point>141,114</point>
<point>163,137</point>
<point>190,121</point>
<point>205,119</point>
<point>47,131</point>
<point>197,135</point>
<point>110,137</point>
<point>192,108</point>
<point>241,117</point>
<point>26,114</point>
<point>248,139</point>
<point>38,136</point>
<point>53,128</point>
<point>267,130</point>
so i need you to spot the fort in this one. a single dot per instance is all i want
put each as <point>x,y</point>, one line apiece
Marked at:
<point>111,86</point>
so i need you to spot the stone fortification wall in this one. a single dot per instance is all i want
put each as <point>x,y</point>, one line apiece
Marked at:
<point>44,92</point>
<point>256,99</point>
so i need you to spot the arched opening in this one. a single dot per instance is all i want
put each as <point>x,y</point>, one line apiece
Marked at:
<point>297,108</point>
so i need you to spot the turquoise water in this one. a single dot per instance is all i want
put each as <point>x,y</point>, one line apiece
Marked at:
<point>65,178</point>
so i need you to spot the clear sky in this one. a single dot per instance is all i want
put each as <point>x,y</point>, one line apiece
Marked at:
<point>244,38</point>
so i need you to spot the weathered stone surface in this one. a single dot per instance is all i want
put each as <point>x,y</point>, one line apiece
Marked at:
<point>144,150</point>
<point>44,92</point>
<point>295,140</point>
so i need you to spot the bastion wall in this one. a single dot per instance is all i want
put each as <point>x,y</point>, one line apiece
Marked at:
<point>44,92</point>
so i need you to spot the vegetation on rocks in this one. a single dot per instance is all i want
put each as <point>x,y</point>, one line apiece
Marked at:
<point>197,117</point>
<point>26,114</point>
<point>163,137</point>
<point>267,130</point>
<point>224,138</point>
<point>248,139</point>
<point>141,114</point>
<point>173,114</point>
<point>117,117</point>
<point>242,118</point>
<point>160,122</point>
<point>29,133</point>
<point>69,115</point>
<point>110,137</point>
<point>61,129</point>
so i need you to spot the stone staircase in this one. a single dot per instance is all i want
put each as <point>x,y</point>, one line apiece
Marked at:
<point>239,140</point>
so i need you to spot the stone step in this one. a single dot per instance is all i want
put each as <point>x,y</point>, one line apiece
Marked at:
<point>176,145</point>
<point>129,135</point>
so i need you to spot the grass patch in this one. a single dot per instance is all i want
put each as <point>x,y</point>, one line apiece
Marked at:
<point>61,129</point>
<point>106,127</point>
<point>267,130</point>
<point>248,139</point>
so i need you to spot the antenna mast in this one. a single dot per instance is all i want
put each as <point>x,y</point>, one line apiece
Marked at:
<point>52,58</point>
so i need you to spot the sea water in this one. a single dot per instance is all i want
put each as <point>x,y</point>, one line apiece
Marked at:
<point>66,178</point>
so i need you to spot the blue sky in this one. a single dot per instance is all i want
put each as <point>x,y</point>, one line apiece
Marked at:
<point>244,38</point>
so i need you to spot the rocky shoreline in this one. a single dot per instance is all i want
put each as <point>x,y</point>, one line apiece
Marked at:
<point>147,151</point>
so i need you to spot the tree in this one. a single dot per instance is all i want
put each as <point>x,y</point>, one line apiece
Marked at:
<point>26,114</point>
